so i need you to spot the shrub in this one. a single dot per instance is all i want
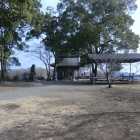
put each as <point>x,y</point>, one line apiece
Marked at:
<point>8,78</point>
<point>15,78</point>
<point>41,78</point>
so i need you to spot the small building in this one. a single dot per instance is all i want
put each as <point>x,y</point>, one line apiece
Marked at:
<point>68,67</point>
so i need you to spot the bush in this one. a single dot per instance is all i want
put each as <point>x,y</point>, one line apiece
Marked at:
<point>15,78</point>
<point>41,78</point>
<point>8,78</point>
<point>25,76</point>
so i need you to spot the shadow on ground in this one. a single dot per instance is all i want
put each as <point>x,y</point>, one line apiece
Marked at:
<point>103,125</point>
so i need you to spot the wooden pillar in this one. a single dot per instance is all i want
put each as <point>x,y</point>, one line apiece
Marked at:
<point>131,75</point>
<point>74,75</point>
<point>56,73</point>
<point>78,73</point>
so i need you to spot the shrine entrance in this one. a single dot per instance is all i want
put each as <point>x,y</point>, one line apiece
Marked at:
<point>68,68</point>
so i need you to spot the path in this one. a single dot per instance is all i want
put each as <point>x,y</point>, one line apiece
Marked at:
<point>25,89</point>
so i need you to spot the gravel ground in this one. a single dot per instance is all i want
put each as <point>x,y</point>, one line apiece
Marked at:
<point>16,90</point>
<point>67,110</point>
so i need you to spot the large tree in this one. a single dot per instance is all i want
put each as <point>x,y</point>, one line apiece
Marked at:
<point>16,18</point>
<point>98,26</point>
<point>54,38</point>
<point>89,26</point>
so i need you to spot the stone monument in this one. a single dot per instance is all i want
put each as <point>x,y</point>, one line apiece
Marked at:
<point>32,74</point>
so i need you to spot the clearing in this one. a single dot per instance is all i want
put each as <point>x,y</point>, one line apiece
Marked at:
<point>70,112</point>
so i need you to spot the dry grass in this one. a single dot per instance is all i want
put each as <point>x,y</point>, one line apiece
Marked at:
<point>74,112</point>
<point>24,110</point>
<point>34,111</point>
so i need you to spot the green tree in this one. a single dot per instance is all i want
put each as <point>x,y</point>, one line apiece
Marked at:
<point>98,26</point>
<point>16,18</point>
<point>89,26</point>
<point>54,38</point>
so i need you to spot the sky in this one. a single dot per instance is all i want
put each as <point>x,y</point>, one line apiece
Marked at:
<point>27,61</point>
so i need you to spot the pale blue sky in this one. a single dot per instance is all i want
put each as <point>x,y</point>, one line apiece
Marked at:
<point>27,62</point>
<point>136,17</point>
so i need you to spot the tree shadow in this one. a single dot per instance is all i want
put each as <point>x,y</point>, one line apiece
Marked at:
<point>106,120</point>
<point>95,126</point>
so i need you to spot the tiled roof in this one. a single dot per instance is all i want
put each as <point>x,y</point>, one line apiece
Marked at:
<point>70,61</point>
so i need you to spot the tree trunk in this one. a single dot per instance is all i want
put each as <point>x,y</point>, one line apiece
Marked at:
<point>93,74</point>
<point>47,73</point>
<point>55,72</point>
<point>48,68</point>
<point>95,70</point>
<point>109,81</point>
<point>3,70</point>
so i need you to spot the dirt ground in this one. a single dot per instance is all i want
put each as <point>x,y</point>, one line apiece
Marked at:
<point>73,112</point>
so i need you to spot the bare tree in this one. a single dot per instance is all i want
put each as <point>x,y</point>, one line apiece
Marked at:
<point>109,68</point>
<point>109,64</point>
<point>40,52</point>
<point>136,68</point>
